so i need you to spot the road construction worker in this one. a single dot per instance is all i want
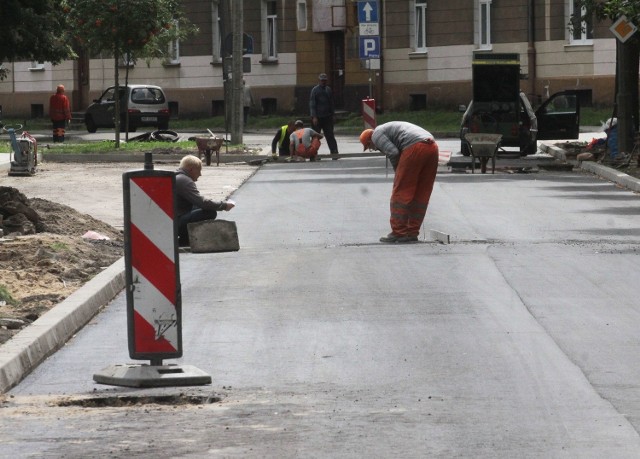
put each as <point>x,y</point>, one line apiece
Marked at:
<point>304,142</point>
<point>59,113</point>
<point>281,140</point>
<point>413,153</point>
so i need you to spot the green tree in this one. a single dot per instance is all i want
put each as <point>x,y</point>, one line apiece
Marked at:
<point>32,30</point>
<point>129,29</point>
<point>627,104</point>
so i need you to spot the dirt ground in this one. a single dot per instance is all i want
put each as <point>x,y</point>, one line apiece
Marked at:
<point>38,271</point>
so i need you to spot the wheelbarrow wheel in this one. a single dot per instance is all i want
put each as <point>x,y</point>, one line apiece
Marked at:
<point>207,157</point>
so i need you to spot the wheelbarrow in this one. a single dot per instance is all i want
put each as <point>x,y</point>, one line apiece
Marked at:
<point>208,146</point>
<point>484,147</point>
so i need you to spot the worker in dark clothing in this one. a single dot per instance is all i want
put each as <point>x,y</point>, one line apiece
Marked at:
<point>323,112</point>
<point>281,140</point>
<point>191,206</point>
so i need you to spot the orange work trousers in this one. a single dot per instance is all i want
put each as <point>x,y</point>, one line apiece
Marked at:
<point>412,187</point>
<point>309,152</point>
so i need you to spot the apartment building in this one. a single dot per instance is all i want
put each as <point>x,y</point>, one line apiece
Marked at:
<point>425,52</point>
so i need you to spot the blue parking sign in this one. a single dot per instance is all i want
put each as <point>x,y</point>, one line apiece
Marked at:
<point>367,12</point>
<point>370,47</point>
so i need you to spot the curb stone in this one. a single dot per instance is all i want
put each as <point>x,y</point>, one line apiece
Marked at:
<point>608,173</point>
<point>32,345</point>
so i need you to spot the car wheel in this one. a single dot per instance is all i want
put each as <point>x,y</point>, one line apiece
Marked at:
<point>90,124</point>
<point>165,136</point>
<point>529,149</point>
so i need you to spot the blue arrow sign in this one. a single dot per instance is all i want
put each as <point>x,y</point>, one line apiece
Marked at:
<point>367,11</point>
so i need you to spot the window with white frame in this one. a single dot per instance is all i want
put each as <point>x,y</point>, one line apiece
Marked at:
<point>484,24</point>
<point>580,31</point>
<point>173,53</point>
<point>126,60</point>
<point>270,33</point>
<point>36,66</point>
<point>420,26</point>
<point>216,32</point>
<point>301,12</point>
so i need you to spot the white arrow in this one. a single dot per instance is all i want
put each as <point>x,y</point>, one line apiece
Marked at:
<point>367,11</point>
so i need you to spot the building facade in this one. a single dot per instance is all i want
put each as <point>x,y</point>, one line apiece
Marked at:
<point>425,50</point>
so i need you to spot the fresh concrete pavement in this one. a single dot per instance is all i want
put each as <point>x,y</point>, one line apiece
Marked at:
<point>326,295</point>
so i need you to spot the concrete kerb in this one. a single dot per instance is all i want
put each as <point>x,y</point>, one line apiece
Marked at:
<point>613,175</point>
<point>26,350</point>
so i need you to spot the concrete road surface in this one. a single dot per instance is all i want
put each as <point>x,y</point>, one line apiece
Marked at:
<point>518,339</point>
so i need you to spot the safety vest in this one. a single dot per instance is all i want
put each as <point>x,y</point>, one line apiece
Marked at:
<point>283,136</point>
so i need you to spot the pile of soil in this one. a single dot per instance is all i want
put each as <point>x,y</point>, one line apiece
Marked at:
<point>48,251</point>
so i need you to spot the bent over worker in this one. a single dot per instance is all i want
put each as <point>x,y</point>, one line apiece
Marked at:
<point>413,153</point>
<point>59,113</point>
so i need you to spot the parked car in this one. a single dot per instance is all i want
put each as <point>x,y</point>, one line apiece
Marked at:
<point>557,118</point>
<point>146,106</point>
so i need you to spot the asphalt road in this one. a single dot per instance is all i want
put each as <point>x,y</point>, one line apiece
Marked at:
<point>518,339</point>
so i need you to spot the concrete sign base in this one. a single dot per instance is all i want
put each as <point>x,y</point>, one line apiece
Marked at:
<point>213,236</point>
<point>132,375</point>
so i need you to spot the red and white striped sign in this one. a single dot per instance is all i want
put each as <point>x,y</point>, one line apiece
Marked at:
<point>369,113</point>
<point>444,156</point>
<point>152,265</point>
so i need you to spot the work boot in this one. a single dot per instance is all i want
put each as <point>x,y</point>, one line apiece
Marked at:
<point>407,239</point>
<point>391,238</point>
<point>396,238</point>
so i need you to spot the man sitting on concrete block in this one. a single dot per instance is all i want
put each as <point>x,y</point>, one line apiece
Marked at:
<point>191,206</point>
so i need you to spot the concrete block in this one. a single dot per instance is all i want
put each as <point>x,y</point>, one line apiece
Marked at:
<point>213,236</point>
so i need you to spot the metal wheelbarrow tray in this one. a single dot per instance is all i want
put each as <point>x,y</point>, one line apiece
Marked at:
<point>483,146</point>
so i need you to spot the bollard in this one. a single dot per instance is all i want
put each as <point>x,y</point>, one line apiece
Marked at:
<point>154,316</point>
<point>369,113</point>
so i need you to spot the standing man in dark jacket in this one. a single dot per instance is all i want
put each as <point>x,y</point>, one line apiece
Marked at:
<point>191,206</point>
<point>323,112</point>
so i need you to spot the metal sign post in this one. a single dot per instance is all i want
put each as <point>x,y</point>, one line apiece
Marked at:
<point>154,316</point>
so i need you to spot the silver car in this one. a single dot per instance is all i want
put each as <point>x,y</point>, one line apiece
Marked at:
<point>144,106</point>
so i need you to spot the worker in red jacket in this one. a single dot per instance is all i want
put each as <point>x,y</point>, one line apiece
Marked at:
<point>60,113</point>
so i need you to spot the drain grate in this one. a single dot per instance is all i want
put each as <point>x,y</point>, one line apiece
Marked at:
<point>133,400</point>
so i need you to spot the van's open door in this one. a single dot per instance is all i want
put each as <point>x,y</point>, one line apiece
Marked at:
<point>559,117</point>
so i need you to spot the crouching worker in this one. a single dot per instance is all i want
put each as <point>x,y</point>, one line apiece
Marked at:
<point>281,140</point>
<point>305,142</point>
<point>191,206</point>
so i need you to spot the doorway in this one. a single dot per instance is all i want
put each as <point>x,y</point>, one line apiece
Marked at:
<point>336,67</point>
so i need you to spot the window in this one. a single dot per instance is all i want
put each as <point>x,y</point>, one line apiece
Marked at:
<point>216,33</point>
<point>126,60</point>
<point>302,14</point>
<point>580,32</point>
<point>173,53</point>
<point>36,66</point>
<point>270,31</point>
<point>420,22</point>
<point>484,24</point>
